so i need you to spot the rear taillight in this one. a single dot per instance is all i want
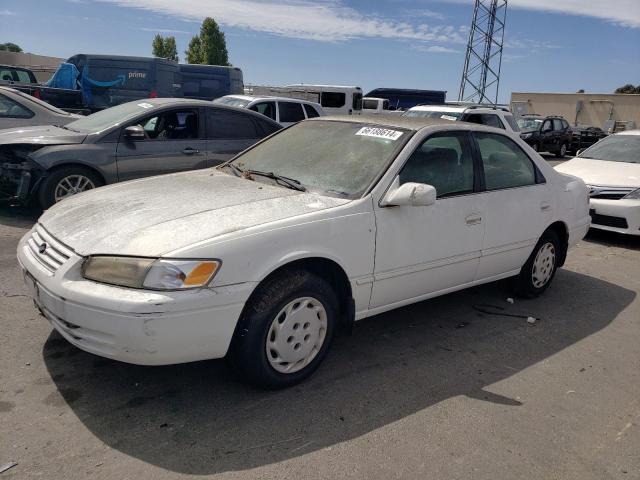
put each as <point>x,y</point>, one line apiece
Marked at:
<point>36,93</point>
<point>153,94</point>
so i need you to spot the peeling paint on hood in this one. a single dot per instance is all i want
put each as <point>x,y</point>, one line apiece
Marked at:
<point>40,135</point>
<point>157,215</point>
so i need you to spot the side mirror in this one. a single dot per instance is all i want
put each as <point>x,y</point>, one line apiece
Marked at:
<point>412,194</point>
<point>134,132</point>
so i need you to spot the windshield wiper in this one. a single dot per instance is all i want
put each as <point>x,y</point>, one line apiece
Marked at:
<point>281,179</point>
<point>237,171</point>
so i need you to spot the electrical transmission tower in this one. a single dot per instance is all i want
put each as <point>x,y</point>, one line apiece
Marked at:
<point>481,74</point>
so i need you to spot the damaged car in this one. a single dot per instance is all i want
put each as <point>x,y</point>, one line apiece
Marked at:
<point>129,141</point>
<point>331,220</point>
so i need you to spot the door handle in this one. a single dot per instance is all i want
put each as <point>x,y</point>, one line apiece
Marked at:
<point>544,206</point>
<point>190,151</point>
<point>473,219</point>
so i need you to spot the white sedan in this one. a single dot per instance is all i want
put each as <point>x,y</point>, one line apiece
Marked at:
<point>611,169</point>
<point>327,222</point>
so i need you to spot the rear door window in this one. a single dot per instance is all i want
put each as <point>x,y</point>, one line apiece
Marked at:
<point>488,119</point>
<point>505,164</point>
<point>311,111</point>
<point>230,125</point>
<point>268,109</point>
<point>23,76</point>
<point>332,99</point>
<point>290,112</point>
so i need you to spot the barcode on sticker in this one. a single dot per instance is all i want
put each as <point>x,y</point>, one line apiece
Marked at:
<point>379,133</point>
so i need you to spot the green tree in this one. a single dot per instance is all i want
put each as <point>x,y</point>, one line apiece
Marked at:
<point>628,88</point>
<point>193,50</point>
<point>10,47</point>
<point>209,47</point>
<point>164,47</point>
<point>170,49</point>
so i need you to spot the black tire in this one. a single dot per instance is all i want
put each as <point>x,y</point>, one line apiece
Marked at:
<point>524,283</point>
<point>248,352</point>
<point>563,151</point>
<point>47,190</point>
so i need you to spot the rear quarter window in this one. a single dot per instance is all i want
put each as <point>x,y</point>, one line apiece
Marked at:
<point>332,99</point>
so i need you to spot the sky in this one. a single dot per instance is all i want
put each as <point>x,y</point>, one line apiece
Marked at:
<point>550,45</point>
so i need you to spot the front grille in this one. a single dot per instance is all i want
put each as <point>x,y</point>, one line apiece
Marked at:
<point>608,193</point>
<point>608,220</point>
<point>50,252</point>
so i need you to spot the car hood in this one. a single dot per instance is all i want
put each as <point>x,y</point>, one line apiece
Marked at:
<point>602,172</point>
<point>154,216</point>
<point>40,135</point>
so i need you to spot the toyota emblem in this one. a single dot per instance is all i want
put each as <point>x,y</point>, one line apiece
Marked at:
<point>42,247</point>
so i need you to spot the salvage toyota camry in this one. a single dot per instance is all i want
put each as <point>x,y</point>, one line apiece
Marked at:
<point>324,223</point>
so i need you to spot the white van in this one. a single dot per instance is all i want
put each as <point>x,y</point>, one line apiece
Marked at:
<point>285,111</point>
<point>334,99</point>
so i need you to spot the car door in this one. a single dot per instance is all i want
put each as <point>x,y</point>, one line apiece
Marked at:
<point>228,133</point>
<point>518,205</point>
<point>422,250</point>
<point>174,142</point>
<point>546,136</point>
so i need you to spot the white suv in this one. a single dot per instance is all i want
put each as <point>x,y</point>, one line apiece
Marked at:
<point>285,111</point>
<point>489,115</point>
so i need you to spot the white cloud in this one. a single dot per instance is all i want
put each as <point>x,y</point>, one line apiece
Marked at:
<point>435,49</point>
<point>7,12</point>
<point>621,12</point>
<point>166,31</point>
<point>322,20</point>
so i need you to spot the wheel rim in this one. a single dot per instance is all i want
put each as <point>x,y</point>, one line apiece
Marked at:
<point>72,184</point>
<point>296,335</point>
<point>563,150</point>
<point>543,265</point>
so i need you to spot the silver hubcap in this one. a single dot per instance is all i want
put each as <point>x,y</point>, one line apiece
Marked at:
<point>543,265</point>
<point>296,335</point>
<point>71,185</point>
<point>563,150</point>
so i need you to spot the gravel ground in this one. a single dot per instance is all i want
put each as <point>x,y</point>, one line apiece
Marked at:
<point>434,390</point>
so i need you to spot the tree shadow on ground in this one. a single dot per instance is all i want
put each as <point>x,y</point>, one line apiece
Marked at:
<point>199,419</point>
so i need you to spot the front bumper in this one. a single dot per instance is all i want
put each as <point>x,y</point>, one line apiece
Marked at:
<point>18,180</point>
<point>622,216</point>
<point>134,326</point>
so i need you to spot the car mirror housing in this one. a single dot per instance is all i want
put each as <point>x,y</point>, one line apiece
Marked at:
<point>411,194</point>
<point>134,132</point>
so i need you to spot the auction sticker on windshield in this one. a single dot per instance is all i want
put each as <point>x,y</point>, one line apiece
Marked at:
<point>379,133</point>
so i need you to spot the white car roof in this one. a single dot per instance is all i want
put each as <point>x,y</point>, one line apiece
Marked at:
<point>253,98</point>
<point>436,108</point>
<point>629,132</point>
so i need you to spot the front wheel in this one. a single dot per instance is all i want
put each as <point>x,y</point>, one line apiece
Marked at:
<point>538,272</point>
<point>66,181</point>
<point>286,329</point>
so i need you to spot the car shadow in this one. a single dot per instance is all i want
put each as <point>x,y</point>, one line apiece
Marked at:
<point>199,419</point>
<point>18,216</point>
<point>613,239</point>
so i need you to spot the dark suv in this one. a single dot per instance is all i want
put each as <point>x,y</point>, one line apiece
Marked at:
<point>546,134</point>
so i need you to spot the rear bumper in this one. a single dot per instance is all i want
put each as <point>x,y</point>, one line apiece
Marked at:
<point>134,326</point>
<point>621,216</point>
<point>578,231</point>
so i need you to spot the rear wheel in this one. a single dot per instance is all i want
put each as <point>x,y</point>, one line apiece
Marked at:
<point>563,151</point>
<point>536,275</point>
<point>66,181</point>
<point>286,329</point>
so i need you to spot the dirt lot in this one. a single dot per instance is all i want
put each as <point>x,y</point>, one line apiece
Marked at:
<point>436,390</point>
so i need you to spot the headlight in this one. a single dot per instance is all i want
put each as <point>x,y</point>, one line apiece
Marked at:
<point>635,195</point>
<point>151,273</point>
